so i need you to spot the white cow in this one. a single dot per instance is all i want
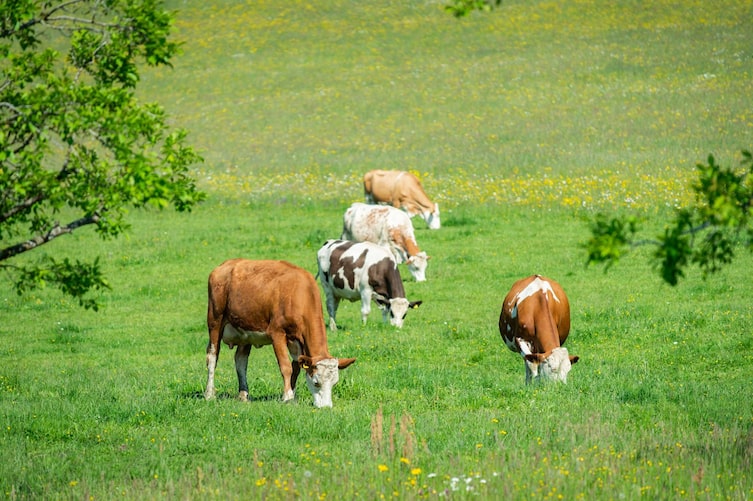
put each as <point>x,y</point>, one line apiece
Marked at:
<point>389,227</point>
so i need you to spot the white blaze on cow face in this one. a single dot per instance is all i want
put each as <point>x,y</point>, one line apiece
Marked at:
<point>321,379</point>
<point>556,366</point>
<point>432,218</point>
<point>398,309</point>
<point>417,266</point>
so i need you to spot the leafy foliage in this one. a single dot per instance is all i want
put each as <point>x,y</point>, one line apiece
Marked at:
<point>74,140</point>
<point>461,8</point>
<point>704,234</point>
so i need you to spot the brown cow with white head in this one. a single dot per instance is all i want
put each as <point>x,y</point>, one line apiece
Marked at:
<point>403,190</point>
<point>257,303</point>
<point>535,322</point>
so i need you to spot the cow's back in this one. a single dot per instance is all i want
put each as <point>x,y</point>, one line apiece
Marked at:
<point>346,265</point>
<point>250,292</point>
<point>366,223</point>
<point>379,185</point>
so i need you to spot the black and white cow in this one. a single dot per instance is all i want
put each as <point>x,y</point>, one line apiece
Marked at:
<point>365,271</point>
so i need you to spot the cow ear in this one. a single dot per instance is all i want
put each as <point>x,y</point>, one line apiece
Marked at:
<point>574,359</point>
<point>344,363</point>
<point>535,357</point>
<point>415,304</point>
<point>305,361</point>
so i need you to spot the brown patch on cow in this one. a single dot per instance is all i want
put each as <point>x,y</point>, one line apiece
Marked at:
<point>384,279</point>
<point>348,265</point>
<point>375,216</point>
<point>398,236</point>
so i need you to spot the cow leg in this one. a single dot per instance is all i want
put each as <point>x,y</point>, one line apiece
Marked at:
<point>213,354</point>
<point>241,366</point>
<point>283,361</point>
<point>365,304</point>
<point>294,348</point>
<point>525,349</point>
<point>333,303</point>
<point>529,372</point>
<point>532,368</point>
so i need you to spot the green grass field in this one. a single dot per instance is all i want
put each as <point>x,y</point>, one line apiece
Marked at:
<point>523,123</point>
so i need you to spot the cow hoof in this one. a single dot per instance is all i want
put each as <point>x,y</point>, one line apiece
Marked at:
<point>243,396</point>
<point>288,396</point>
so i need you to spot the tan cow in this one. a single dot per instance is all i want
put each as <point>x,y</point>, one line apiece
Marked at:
<point>402,190</point>
<point>257,303</point>
<point>535,322</point>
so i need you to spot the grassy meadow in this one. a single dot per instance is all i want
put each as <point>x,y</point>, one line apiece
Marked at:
<point>522,123</point>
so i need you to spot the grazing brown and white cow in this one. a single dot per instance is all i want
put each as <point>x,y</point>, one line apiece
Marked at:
<point>535,322</point>
<point>403,190</point>
<point>257,303</point>
<point>365,271</point>
<point>390,228</point>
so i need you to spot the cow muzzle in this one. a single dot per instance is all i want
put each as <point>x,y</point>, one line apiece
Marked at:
<point>321,381</point>
<point>556,366</point>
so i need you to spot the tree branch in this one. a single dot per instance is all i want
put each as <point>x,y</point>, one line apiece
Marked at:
<point>55,232</point>
<point>20,207</point>
<point>43,18</point>
<point>78,21</point>
<point>5,104</point>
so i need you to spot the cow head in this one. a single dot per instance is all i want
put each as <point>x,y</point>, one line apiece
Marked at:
<point>396,308</point>
<point>322,376</point>
<point>417,266</point>
<point>555,367</point>
<point>432,218</point>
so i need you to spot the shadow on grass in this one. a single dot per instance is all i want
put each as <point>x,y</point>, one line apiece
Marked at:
<point>199,395</point>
